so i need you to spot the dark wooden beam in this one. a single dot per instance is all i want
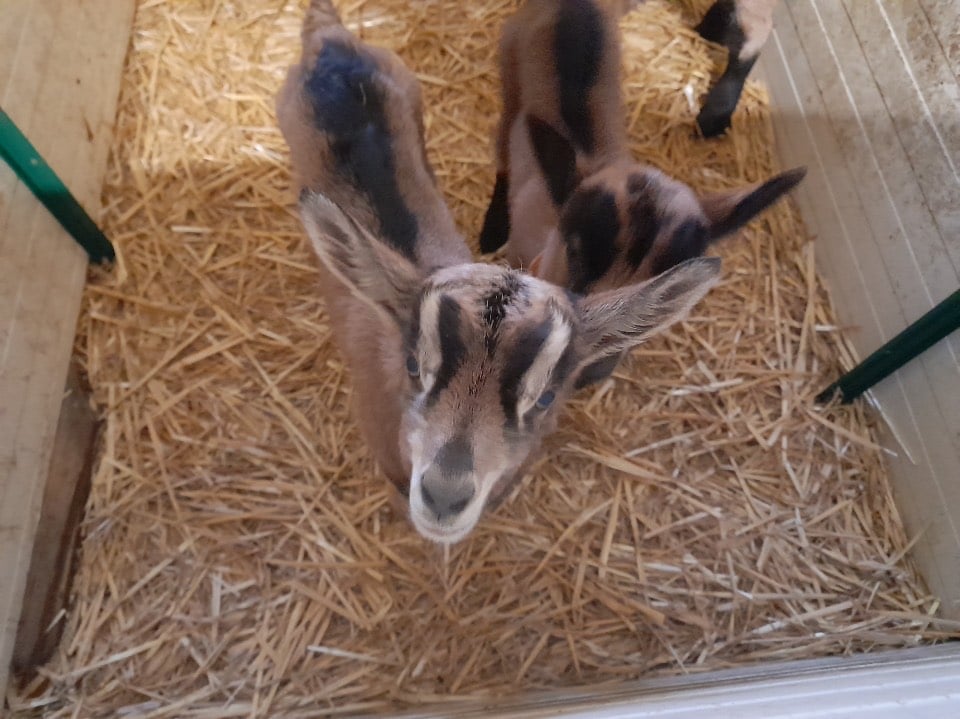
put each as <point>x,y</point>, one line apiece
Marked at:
<point>54,557</point>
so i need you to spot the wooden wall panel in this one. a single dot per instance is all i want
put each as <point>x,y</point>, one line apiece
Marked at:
<point>865,92</point>
<point>60,68</point>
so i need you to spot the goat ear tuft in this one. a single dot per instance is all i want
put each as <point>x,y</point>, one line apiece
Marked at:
<point>373,272</point>
<point>619,319</point>
<point>556,157</point>
<point>729,211</point>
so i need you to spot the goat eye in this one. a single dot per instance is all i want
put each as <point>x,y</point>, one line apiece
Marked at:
<point>413,367</point>
<point>546,399</point>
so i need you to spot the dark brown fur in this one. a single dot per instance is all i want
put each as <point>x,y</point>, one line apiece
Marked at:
<point>458,369</point>
<point>556,218</point>
<point>742,27</point>
<point>371,347</point>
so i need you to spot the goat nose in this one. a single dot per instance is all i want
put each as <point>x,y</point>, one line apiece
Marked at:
<point>446,499</point>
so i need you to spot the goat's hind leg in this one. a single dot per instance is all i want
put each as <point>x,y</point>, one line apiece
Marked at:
<point>496,222</point>
<point>715,22</point>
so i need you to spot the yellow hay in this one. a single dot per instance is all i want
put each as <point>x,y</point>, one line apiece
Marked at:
<point>240,555</point>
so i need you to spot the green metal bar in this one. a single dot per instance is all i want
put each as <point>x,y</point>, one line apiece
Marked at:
<point>43,182</point>
<point>926,331</point>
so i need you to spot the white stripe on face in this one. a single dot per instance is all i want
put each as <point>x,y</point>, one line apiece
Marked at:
<point>428,344</point>
<point>535,380</point>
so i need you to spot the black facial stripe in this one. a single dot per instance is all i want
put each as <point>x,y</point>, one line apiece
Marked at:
<point>689,240</point>
<point>495,306</point>
<point>452,349</point>
<point>348,103</point>
<point>578,50</point>
<point>455,457</point>
<point>644,223</point>
<point>521,358</point>
<point>589,227</point>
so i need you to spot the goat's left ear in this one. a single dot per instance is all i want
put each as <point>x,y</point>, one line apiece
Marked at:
<point>729,211</point>
<point>616,320</point>
<point>555,156</point>
<point>374,273</point>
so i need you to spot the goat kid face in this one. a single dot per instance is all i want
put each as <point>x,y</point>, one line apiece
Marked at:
<point>491,354</point>
<point>626,221</point>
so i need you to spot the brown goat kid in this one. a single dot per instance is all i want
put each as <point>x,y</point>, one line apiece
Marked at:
<point>570,202</point>
<point>458,369</point>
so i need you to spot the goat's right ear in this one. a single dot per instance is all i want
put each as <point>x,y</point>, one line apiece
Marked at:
<point>617,320</point>
<point>373,272</point>
<point>729,211</point>
<point>556,157</point>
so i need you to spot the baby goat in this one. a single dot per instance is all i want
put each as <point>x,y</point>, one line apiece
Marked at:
<point>459,369</point>
<point>741,26</point>
<point>570,202</point>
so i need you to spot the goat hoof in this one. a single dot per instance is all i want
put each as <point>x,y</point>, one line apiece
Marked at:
<point>712,124</point>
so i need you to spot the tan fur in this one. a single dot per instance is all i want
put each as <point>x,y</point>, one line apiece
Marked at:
<point>529,82</point>
<point>310,149</point>
<point>529,85</point>
<point>485,343</point>
<point>530,88</point>
<point>370,346</point>
<point>756,21</point>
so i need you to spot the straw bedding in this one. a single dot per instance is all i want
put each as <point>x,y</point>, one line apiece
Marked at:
<point>241,557</point>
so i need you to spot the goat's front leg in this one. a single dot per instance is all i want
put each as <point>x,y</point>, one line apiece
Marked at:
<point>742,26</point>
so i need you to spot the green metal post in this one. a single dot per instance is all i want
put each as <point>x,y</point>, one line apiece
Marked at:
<point>928,330</point>
<point>43,182</point>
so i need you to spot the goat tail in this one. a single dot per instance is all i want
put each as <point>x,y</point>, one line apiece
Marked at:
<point>321,14</point>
